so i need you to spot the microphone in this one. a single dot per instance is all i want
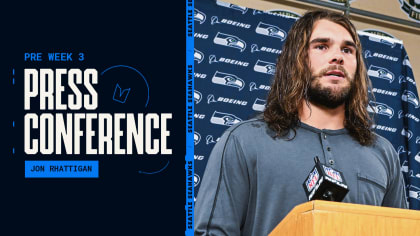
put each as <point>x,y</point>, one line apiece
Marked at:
<point>325,183</point>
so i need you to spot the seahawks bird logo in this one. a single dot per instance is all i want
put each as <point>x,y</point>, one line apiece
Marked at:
<point>414,192</point>
<point>197,137</point>
<point>417,157</point>
<point>199,16</point>
<point>270,30</point>
<point>221,118</point>
<point>407,133</point>
<point>196,180</point>
<point>380,108</point>
<point>381,73</point>
<point>229,41</point>
<point>406,62</point>
<point>232,6</point>
<point>410,97</point>
<point>278,12</point>
<point>265,67</point>
<point>259,104</point>
<point>197,97</point>
<point>198,56</point>
<point>382,41</point>
<point>228,80</point>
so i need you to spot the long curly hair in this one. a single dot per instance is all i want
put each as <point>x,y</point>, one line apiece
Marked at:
<point>293,79</point>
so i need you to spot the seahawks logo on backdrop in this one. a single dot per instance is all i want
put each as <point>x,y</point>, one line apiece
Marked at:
<point>270,30</point>
<point>381,73</point>
<point>380,108</point>
<point>265,67</point>
<point>278,12</point>
<point>418,140</point>
<point>383,41</point>
<point>417,157</point>
<point>406,62</point>
<point>414,192</point>
<point>257,12</point>
<point>197,137</point>
<point>232,6</point>
<point>411,9</point>
<point>259,105</point>
<point>198,56</point>
<point>199,16</point>
<point>407,133</point>
<point>382,35</point>
<point>229,41</point>
<point>284,13</point>
<point>410,97</point>
<point>228,80</point>
<point>197,97</point>
<point>221,118</point>
<point>196,180</point>
<point>379,33</point>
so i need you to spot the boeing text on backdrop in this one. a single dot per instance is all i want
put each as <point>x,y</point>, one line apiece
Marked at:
<point>317,106</point>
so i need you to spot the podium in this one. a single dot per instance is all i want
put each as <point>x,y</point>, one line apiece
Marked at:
<point>323,218</point>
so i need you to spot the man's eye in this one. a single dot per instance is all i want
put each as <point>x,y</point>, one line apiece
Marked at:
<point>321,47</point>
<point>347,50</point>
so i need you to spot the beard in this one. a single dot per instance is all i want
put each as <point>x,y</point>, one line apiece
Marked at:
<point>330,97</point>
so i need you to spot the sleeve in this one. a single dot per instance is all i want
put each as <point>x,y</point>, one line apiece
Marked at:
<point>222,200</point>
<point>395,194</point>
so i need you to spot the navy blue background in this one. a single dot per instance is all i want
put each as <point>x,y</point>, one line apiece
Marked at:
<point>147,36</point>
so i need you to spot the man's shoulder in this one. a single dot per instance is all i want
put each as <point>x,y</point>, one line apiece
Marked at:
<point>249,127</point>
<point>383,144</point>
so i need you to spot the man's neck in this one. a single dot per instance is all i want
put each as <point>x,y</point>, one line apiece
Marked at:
<point>322,117</point>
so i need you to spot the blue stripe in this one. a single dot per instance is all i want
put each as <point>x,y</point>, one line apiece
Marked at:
<point>189,158</point>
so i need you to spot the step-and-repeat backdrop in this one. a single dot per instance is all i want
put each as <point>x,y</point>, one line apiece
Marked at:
<point>235,51</point>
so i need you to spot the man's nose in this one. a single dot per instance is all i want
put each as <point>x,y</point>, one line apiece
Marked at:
<point>337,58</point>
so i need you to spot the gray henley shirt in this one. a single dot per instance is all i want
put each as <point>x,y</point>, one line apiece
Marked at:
<point>253,180</point>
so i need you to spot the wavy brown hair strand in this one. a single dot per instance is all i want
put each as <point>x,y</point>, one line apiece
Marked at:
<point>293,78</point>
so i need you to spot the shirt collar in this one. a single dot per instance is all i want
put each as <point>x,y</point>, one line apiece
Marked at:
<point>325,131</point>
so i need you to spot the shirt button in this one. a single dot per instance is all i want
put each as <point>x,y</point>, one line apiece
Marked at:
<point>331,162</point>
<point>328,149</point>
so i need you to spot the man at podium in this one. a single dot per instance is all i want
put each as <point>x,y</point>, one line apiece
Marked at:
<point>317,106</point>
